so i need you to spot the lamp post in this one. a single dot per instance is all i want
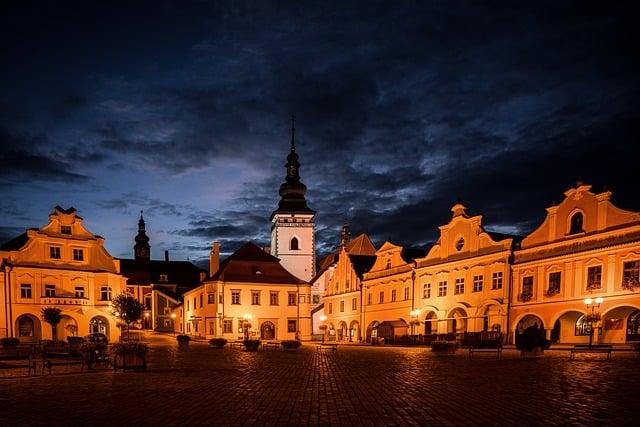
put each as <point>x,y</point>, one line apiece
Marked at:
<point>146,320</point>
<point>246,325</point>
<point>323,319</point>
<point>594,316</point>
<point>173,322</point>
<point>414,321</point>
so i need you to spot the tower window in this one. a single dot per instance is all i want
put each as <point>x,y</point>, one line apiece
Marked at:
<point>576,223</point>
<point>294,245</point>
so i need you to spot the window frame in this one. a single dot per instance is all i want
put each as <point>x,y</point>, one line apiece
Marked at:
<point>26,288</point>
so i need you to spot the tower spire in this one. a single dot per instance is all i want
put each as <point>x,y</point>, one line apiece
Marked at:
<point>293,132</point>
<point>142,249</point>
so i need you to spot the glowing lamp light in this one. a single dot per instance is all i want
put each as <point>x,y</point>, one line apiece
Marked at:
<point>146,315</point>
<point>588,301</point>
<point>599,300</point>
<point>323,318</point>
<point>173,315</point>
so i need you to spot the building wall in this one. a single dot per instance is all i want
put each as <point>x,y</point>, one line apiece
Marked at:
<point>299,262</point>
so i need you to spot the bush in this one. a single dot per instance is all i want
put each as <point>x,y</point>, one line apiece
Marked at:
<point>218,342</point>
<point>10,342</point>
<point>183,339</point>
<point>75,340</point>
<point>531,338</point>
<point>251,345</point>
<point>291,344</point>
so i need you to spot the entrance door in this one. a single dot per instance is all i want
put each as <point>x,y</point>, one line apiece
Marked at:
<point>267,331</point>
<point>97,326</point>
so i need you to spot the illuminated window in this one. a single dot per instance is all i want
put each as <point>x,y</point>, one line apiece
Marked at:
<point>631,274</point>
<point>294,245</point>
<point>78,255</point>
<point>426,290</point>
<point>65,229</point>
<point>594,277</point>
<point>164,278</point>
<point>576,223</point>
<point>459,289</point>
<point>442,289</point>
<point>54,252</point>
<point>273,298</point>
<point>497,280</point>
<point>477,283</point>
<point>255,298</point>
<point>235,297</point>
<point>25,290</point>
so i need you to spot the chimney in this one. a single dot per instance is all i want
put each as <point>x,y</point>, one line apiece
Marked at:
<point>166,256</point>
<point>214,258</point>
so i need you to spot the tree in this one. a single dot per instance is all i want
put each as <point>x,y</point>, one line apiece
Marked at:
<point>127,308</point>
<point>52,316</point>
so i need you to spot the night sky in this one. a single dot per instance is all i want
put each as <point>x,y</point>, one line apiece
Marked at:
<point>182,109</point>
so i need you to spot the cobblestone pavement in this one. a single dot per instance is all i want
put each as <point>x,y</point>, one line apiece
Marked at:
<point>356,385</point>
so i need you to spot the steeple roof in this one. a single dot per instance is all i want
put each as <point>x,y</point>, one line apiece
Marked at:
<point>292,191</point>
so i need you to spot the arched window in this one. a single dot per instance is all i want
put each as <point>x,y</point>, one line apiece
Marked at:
<point>576,223</point>
<point>583,327</point>
<point>293,245</point>
<point>388,264</point>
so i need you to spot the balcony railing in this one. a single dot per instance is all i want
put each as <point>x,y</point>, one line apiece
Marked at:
<point>64,301</point>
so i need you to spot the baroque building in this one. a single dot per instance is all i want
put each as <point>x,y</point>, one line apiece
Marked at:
<point>59,265</point>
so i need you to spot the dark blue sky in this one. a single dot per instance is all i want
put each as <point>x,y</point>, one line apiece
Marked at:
<point>182,109</point>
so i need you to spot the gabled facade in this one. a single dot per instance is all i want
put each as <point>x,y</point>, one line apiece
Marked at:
<point>585,248</point>
<point>60,265</point>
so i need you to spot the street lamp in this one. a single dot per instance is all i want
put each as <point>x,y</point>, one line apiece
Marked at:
<point>323,327</point>
<point>414,321</point>
<point>593,317</point>
<point>173,318</point>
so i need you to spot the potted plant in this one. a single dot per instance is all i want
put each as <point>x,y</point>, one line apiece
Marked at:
<point>532,342</point>
<point>183,340</point>
<point>52,316</point>
<point>218,342</point>
<point>291,344</point>
<point>130,355</point>
<point>9,342</point>
<point>442,348</point>
<point>251,345</point>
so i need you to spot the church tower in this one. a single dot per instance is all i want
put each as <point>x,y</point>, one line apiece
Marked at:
<point>141,249</point>
<point>292,224</point>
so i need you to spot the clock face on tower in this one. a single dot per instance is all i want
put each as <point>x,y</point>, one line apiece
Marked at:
<point>143,252</point>
<point>293,170</point>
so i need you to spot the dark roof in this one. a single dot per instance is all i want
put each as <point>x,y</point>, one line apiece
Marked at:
<point>317,309</point>
<point>181,273</point>
<point>15,243</point>
<point>362,263</point>
<point>253,265</point>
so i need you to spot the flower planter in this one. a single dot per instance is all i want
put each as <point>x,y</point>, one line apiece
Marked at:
<point>251,345</point>
<point>218,343</point>
<point>130,361</point>
<point>533,354</point>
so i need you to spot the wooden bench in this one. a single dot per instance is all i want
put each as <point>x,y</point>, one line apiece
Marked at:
<point>486,347</point>
<point>332,347</point>
<point>597,348</point>
<point>63,358</point>
<point>18,354</point>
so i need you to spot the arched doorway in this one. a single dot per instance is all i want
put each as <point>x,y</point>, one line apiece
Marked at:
<point>457,323</point>
<point>571,327</point>
<point>431,323</point>
<point>633,327</point>
<point>354,331</point>
<point>526,322</point>
<point>28,328</point>
<point>99,325</point>
<point>267,331</point>
<point>372,330</point>
<point>342,331</point>
<point>620,324</point>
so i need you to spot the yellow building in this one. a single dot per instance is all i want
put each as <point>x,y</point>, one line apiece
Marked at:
<point>249,287</point>
<point>585,248</point>
<point>60,265</point>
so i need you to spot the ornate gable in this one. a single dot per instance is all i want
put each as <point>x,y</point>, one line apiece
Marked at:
<point>388,257</point>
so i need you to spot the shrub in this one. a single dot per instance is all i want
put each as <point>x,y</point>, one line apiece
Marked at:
<point>251,345</point>
<point>218,342</point>
<point>130,348</point>
<point>531,338</point>
<point>10,342</point>
<point>75,340</point>
<point>183,339</point>
<point>291,344</point>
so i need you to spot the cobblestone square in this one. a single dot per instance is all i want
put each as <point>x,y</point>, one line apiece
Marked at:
<point>355,385</point>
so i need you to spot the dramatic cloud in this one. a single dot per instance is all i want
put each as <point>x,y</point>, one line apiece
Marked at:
<point>182,110</point>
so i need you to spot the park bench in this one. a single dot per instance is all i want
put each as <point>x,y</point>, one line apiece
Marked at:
<point>488,346</point>
<point>59,354</point>
<point>596,348</point>
<point>327,346</point>
<point>236,344</point>
<point>18,358</point>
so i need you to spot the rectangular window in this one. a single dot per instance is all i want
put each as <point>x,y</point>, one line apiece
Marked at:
<point>330,307</point>
<point>594,277</point>
<point>235,297</point>
<point>369,298</point>
<point>442,289</point>
<point>227,326</point>
<point>188,306</point>
<point>292,298</point>
<point>273,298</point>
<point>292,326</point>
<point>497,280</point>
<point>255,297</point>
<point>406,293</point>
<point>201,301</point>
<point>49,290</point>
<point>348,285</point>
<point>65,229</point>
<point>381,299</point>
<point>78,255</point>
<point>393,295</point>
<point>25,290</point>
<point>477,283</point>
<point>316,299</point>
<point>354,304</point>
<point>426,290</point>
<point>105,293</point>
<point>79,291</point>
<point>220,299</point>
<point>54,252</point>
<point>211,298</point>
<point>341,306</point>
<point>554,283</point>
<point>631,275</point>
<point>164,278</point>
<point>459,289</point>
<point>195,303</point>
<point>527,286</point>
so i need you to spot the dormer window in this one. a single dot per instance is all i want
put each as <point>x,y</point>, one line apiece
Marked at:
<point>54,252</point>
<point>294,245</point>
<point>164,278</point>
<point>65,229</point>
<point>78,255</point>
<point>576,223</point>
<point>460,244</point>
<point>388,264</point>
